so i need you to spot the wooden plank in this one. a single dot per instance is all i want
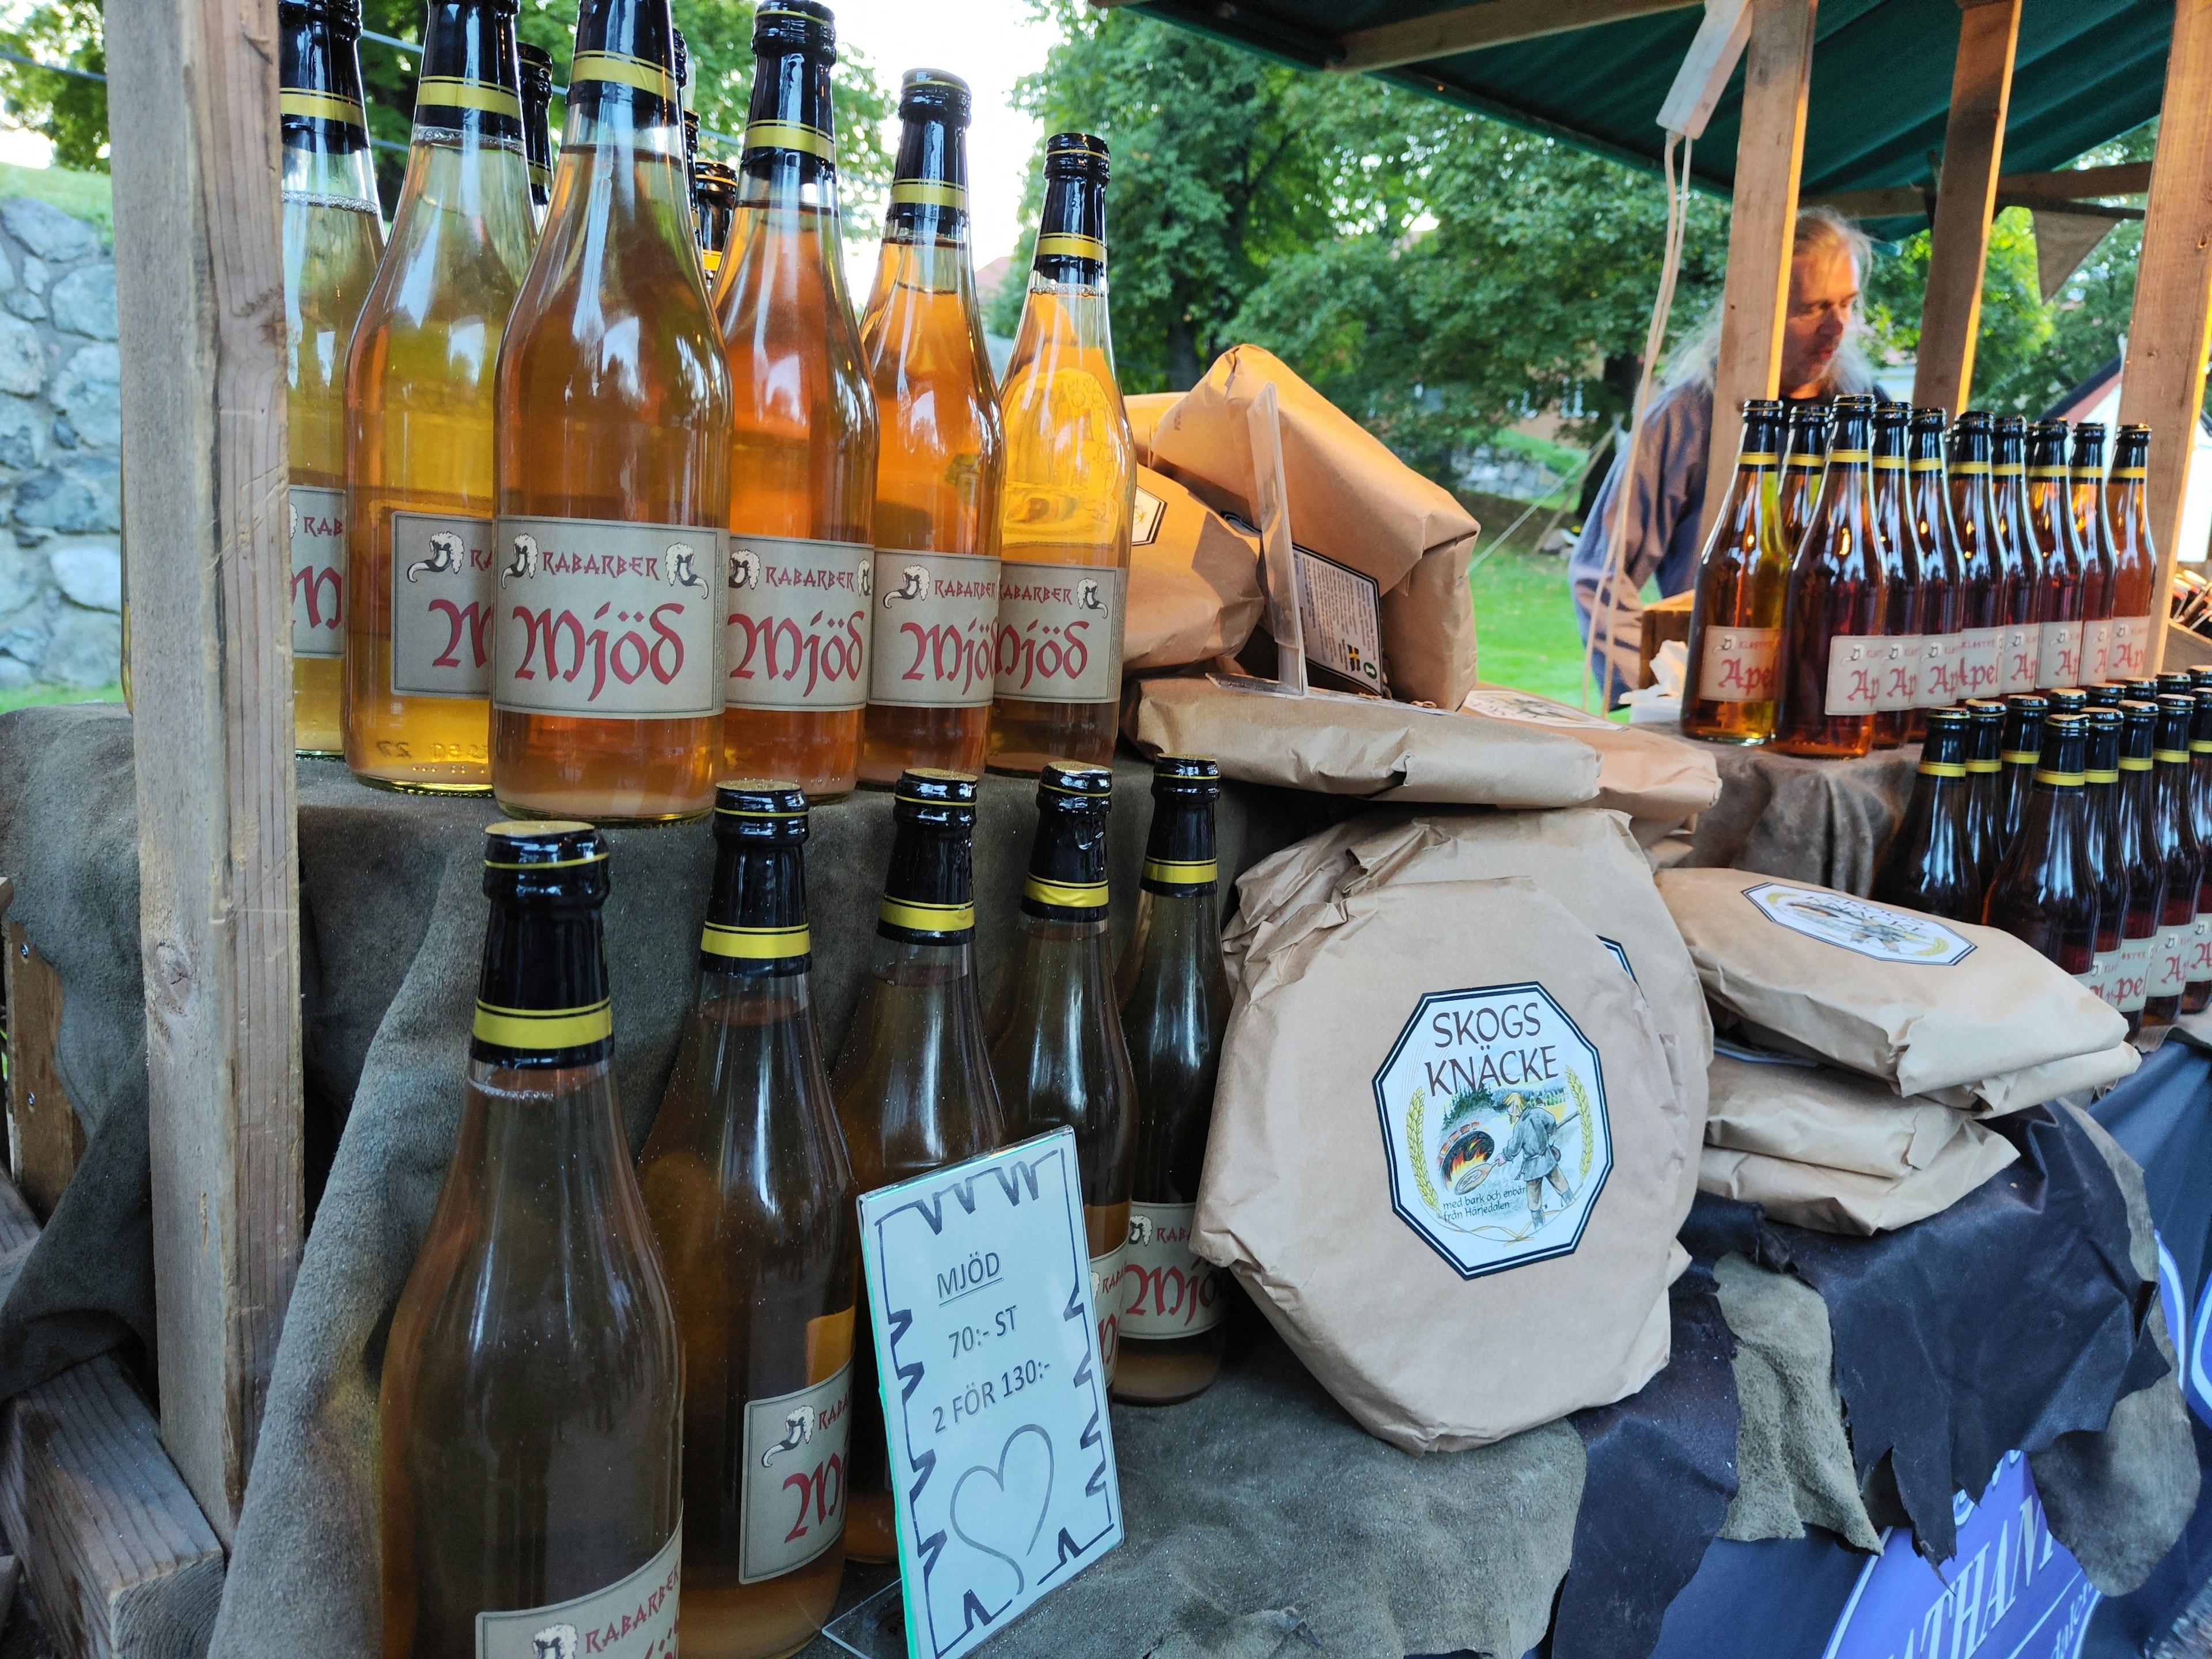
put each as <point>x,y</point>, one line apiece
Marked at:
<point>2163,383</point>
<point>1663,620</point>
<point>45,1139</point>
<point>1493,23</point>
<point>196,164</point>
<point>2080,184</point>
<point>118,1558</point>
<point>1704,75</point>
<point>1770,153</point>
<point>1973,146</point>
<point>2036,190</point>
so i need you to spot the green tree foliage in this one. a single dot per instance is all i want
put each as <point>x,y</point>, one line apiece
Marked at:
<point>69,110</point>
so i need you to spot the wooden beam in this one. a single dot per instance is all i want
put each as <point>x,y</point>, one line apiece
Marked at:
<point>45,1139</point>
<point>1770,152</point>
<point>1493,23</point>
<point>1706,67</point>
<point>1973,146</point>
<point>2163,383</point>
<point>2080,183</point>
<point>2037,190</point>
<point>196,164</point>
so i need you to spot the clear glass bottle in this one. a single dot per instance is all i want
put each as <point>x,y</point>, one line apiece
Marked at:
<point>2136,844</point>
<point>1981,561</point>
<point>2137,608</point>
<point>714,206</point>
<point>613,457</point>
<point>1943,642</point>
<point>2021,653</point>
<point>1056,1030</point>
<point>1929,863</point>
<point>942,463</point>
<point>532,1390</point>
<point>2086,487</point>
<point>751,1197</point>
<point>2175,832</point>
<point>1743,574</point>
<point>803,430</point>
<point>1830,647</point>
<point>420,393</point>
<point>2046,891</point>
<point>333,237</point>
<point>1070,491</point>
<point>537,134</point>
<point>912,1080</point>
<point>1897,535</point>
<point>2058,555</point>
<point>1805,453</point>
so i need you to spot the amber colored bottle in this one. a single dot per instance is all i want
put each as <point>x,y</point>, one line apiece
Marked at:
<point>751,1198</point>
<point>2136,607</point>
<point>714,206</point>
<point>1804,454</point>
<point>532,1389</point>
<point>1981,564</point>
<point>1831,645</point>
<point>2198,995</point>
<point>2136,845</point>
<point>2021,652</point>
<point>2046,893</point>
<point>1898,537</point>
<point>1985,744</point>
<point>1071,486</point>
<point>1929,865</point>
<point>2058,555</point>
<point>1944,643</point>
<point>2100,777</point>
<point>420,393</point>
<point>912,1080</point>
<point>1174,994</point>
<point>1743,574</point>
<point>942,463</point>
<point>2174,831</point>
<point>2085,470</point>
<point>614,455</point>
<point>333,237</point>
<point>537,134</point>
<point>1056,1031</point>
<point>2022,754</point>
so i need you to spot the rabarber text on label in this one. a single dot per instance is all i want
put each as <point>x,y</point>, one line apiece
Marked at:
<point>1059,632</point>
<point>607,620</point>
<point>1172,1292</point>
<point>441,604</point>
<point>319,563</point>
<point>1739,664</point>
<point>798,623</point>
<point>933,617</point>
<point>632,1618</point>
<point>794,1477</point>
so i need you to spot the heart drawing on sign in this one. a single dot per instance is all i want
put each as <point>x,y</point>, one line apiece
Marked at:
<point>1010,1510</point>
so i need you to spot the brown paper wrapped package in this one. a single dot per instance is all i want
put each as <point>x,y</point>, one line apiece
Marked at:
<point>1962,1004</point>
<point>1660,782</point>
<point>1350,500</point>
<point>1193,581</point>
<point>1145,408</point>
<point>1298,1196</point>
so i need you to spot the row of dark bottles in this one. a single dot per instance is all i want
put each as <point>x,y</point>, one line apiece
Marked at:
<point>587,1360</point>
<point>2080,821</point>
<point>1860,576</point>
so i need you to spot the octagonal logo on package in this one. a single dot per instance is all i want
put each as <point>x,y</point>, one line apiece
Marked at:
<point>1872,930</point>
<point>1494,1124</point>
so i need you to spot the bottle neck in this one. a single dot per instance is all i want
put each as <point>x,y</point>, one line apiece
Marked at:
<point>542,1000</point>
<point>2124,499</point>
<point>790,157</point>
<point>929,186</point>
<point>1070,244</point>
<point>323,117</point>
<point>467,167</point>
<point>929,895</point>
<point>757,918</point>
<point>623,94</point>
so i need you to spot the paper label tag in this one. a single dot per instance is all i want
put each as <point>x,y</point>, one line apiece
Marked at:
<point>1739,665</point>
<point>2096,652</point>
<point>2062,655</point>
<point>2169,962</point>
<point>2104,975</point>
<point>1501,704</point>
<point>1172,1292</point>
<point>1059,632</point>
<point>1942,670</point>
<point>441,605</point>
<point>2134,976</point>
<point>319,564</point>
<point>1980,648</point>
<point>1871,930</point>
<point>932,616</point>
<point>1899,687</point>
<point>794,1480</point>
<point>2128,655</point>
<point>1340,610</point>
<point>2023,654</point>
<point>1145,519</point>
<point>1855,673</point>
<point>798,623</point>
<point>2199,967</point>
<point>607,620</point>
<point>632,1618</point>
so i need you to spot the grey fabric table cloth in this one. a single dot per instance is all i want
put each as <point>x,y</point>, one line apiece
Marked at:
<point>1822,821</point>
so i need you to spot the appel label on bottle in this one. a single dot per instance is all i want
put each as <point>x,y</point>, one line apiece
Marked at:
<point>1172,1292</point>
<point>319,564</point>
<point>633,1618</point>
<point>794,1477</point>
<point>2199,966</point>
<point>2096,652</point>
<point>2023,654</point>
<point>1942,670</point>
<point>798,623</point>
<point>2128,656</point>
<point>2133,977</point>
<point>1059,637</point>
<point>604,620</point>
<point>1739,665</point>
<point>1855,673</point>
<point>1900,673</point>
<point>1981,650</point>
<point>2169,962</point>
<point>2062,655</point>
<point>933,617</point>
<point>1109,1294</point>
<point>441,604</point>
<point>2104,975</point>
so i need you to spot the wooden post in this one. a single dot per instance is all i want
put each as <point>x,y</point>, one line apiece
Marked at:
<point>1965,200</point>
<point>1770,153</point>
<point>2164,380</point>
<point>192,110</point>
<point>45,1141</point>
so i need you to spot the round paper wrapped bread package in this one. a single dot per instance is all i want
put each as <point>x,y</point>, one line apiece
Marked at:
<point>1447,1148</point>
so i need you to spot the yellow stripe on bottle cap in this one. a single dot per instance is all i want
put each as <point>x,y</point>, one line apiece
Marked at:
<point>929,192</point>
<point>923,918</point>
<point>2021,756</point>
<point>2130,472</point>
<point>711,259</point>
<point>451,92</point>
<point>2171,756</point>
<point>2008,468</point>
<point>2101,777</point>
<point>1969,469</point>
<point>1858,456</point>
<point>2048,473</point>
<point>755,943</point>
<point>1068,896</point>
<point>600,857</point>
<point>1757,458</point>
<point>1927,466</point>
<point>2061,778</point>
<point>541,1029</point>
<point>623,70</point>
<point>791,135</point>
<point>1889,463</point>
<point>1941,769</point>
<point>540,174</point>
<point>1067,246</point>
<point>1982,765</point>
<point>2200,745</point>
<point>1810,463</point>
<point>2130,763</point>
<point>323,107</point>
<point>1197,872</point>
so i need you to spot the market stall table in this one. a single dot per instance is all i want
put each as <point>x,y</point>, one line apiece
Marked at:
<point>1824,821</point>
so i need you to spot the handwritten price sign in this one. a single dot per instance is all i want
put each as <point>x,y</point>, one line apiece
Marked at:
<point>978,1281</point>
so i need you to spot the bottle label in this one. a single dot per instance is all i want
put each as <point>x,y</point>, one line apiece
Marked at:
<point>633,1618</point>
<point>1900,673</point>
<point>794,1477</point>
<point>2128,656</point>
<point>1739,665</point>
<point>2022,654</point>
<point>1855,673</point>
<point>932,615</point>
<point>2062,655</point>
<point>2133,978</point>
<point>1059,632</point>
<point>1942,670</point>
<point>798,623</point>
<point>442,601</point>
<point>2199,966</point>
<point>2169,962</point>
<point>1171,1291</point>
<point>1110,1292</point>
<point>1981,648</point>
<point>2104,975</point>
<point>605,620</point>
<point>319,564</point>
<point>2096,652</point>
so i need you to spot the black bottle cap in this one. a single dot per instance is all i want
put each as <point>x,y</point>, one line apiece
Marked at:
<point>2068,700</point>
<point>553,860</point>
<point>1984,733</point>
<point>806,26</point>
<point>1076,155</point>
<point>2201,678</point>
<point>1067,859</point>
<point>543,1000</point>
<point>343,15</point>
<point>1179,848</point>
<point>625,59</point>
<point>756,920</point>
<point>2101,761</point>
<point>929,895</point>
<point>2172,681</point>
<point>2200,728</point>
<point>1943,752</point>
<point>465,84</point>
<point>2144,689</point>
<point>2061,765</point>
<point>928,95</point>
<point>2140,735</point>
<point>1763,406</point>
<point>2175,714</point>
<point>537,66</point>
<point>2108,695</point>
<point>2024,712</point>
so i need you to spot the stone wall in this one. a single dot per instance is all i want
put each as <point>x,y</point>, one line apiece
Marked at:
<point>61,422</point>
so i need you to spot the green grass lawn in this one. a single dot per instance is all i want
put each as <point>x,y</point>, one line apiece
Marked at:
<point>37,697</point>
<point>81,195</point>
<point>1524,622</point>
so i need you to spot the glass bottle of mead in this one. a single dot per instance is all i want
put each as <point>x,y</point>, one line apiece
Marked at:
<point>1071,488</point>
<point>2100,778</point>
<point>2086,488</point>
<point>537,137</point>
<point>1981,565</point>
<point>2021,652</point>
<point>333,237</point>
<point>2058,552</point>
<point>420,395</point>
<point>1805,452</point>
<point>2046,891</point>
<point>533,1382</point>
<point>802,430</point>
<point>1897,534</point>
<point>942,460</point>
<point>1735,625</point>
<point>2136,608</point>
<point>2136,844</point>
<point>1929,864</point>
<point>750,1195</point>
<point>714,206</point>
<point>1830,642</point>
<point>1943,645</point>
<point>2175,833</point>
<point>613,457</point>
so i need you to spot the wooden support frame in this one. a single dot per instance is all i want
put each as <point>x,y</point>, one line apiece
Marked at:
<point>2163,382</point>
<point>1770,153</point>
<point>1965,201</point>
<point>45,1141</point>
<point>199,269</point>
<point>1471,28</point>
